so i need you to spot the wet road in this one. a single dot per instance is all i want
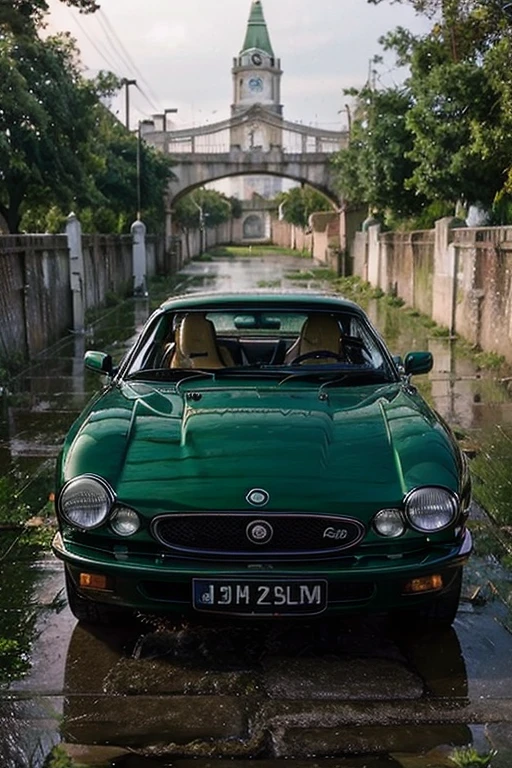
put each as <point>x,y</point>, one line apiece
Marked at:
<point>159,694</point>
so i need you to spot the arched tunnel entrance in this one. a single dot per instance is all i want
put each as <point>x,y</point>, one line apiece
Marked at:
<point>264,207</point>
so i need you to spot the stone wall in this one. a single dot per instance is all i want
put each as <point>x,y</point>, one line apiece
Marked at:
<point>286,235</point>
<point>35,300</point>
<point>459,276</point>
<point>326,238</point>
<point>50,281</point>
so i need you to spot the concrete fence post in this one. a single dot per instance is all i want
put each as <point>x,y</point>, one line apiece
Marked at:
<point>374,256</point>
<point>139,258</point>
<point>76,271</point>
<point>444,285</point>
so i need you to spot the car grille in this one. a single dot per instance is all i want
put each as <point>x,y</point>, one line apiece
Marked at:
<point>249,534</point>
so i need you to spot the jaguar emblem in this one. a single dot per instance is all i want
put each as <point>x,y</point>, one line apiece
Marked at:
<point>258,497</point>
<point>259,532</point>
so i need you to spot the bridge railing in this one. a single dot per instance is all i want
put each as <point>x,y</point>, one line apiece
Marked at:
<point>289,141</point>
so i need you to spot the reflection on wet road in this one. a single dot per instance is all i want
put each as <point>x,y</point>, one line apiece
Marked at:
<point>359,691</point>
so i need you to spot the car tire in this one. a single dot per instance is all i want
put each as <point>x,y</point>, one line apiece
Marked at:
<point>92,612</point>
<point>439,614</point>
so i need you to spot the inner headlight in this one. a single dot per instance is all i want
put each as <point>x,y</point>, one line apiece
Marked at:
<point>85,501</point>
<point>431,509</point>
<point>125,521</point>
<point>389,522</point>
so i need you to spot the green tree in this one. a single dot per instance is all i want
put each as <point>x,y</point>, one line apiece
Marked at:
<point>375,167</point>
<point>116,176</point>
<point>445,136</point>
<point>46,120</point>
<point>460,86</point>
<point>300,202</point>
<point>24,16</point>
<point>61,149</point>
<point>204,209</point>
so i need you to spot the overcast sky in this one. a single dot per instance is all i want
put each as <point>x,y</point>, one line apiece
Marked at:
<point>181,51</point>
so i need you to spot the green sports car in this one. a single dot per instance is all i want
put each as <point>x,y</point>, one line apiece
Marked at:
<point>261,456</point>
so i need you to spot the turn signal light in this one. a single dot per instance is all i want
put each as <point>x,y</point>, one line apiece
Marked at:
<point>93,581</point>
<point>424,584</point>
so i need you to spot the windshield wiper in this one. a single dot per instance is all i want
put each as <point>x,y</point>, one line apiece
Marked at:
<point>337,377</point>
<point>167,374</point>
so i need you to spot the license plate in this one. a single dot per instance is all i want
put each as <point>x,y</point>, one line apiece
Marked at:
<point>260,598</point>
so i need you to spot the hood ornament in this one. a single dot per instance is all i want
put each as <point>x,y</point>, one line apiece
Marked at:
<point>258,497</point>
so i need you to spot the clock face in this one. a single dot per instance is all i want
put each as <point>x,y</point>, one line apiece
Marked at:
<point>256,85</point>
<point>256,59</point>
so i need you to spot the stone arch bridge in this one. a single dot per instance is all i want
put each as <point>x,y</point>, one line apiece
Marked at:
<point>254,142</point>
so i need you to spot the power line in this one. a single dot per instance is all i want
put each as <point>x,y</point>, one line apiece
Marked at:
<point>104,20</point>
<point>113,67</point>
<point>149,101</point>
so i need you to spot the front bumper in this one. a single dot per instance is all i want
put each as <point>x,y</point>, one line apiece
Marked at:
<point>162,584</point>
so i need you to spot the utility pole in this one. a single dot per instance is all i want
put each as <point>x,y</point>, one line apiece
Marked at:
<point>138,171</point>
<point>201,225</point>
<point>127,84</point>
<point>139,164</point>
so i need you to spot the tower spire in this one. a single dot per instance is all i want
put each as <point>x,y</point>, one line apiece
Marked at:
<point>257,35</point>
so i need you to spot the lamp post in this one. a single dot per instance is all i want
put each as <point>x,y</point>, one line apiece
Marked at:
<point>127,84</point>
<point>202,217</point>
<point>139,163</point>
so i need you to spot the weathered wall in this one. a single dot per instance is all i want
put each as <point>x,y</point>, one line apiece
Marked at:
<point>35,300</point>
<point>483,268</point>
<point>38,297</point>
<point>459,276</point>
<point>107,267</point>
<point>407,261</point>
<point>286,235</point>
<point>326,237</point>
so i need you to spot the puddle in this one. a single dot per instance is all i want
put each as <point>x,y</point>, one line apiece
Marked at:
<point>314,696</point>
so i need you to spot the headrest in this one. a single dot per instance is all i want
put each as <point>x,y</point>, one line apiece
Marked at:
<point>321,332</point>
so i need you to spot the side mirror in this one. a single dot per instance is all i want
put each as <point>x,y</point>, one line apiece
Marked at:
<point>99,362</point>
<point>418,362</point>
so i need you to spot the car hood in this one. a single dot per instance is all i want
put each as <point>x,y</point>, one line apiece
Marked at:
<point>206,448</point>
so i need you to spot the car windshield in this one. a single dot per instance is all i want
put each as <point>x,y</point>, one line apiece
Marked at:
<point>270,343</point>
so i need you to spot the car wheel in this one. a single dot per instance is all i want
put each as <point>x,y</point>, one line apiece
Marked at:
<point>92,612</point>
<point>438,614</point>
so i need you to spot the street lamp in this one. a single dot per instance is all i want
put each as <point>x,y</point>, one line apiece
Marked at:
<point>127,84</point>
<point>202,224</point>
<point>139,157</point>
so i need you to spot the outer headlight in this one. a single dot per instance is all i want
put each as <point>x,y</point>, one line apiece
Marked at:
<point>85,501</point>
<point>431,509</point>
<point>125,521</point>
<point>389,522</point>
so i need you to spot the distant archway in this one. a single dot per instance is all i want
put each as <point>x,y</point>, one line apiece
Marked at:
<point>254,227</point>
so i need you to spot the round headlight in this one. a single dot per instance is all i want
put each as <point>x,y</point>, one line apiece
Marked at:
<point>125,521</point>
<point>389,522</point>
<point>431,509</point>
<point>85,501</point>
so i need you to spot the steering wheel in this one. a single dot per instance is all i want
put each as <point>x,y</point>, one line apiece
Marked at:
<point>317,354</point>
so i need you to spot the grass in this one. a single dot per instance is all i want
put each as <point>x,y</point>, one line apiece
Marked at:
<point>252,251</point>
<point>317,273</point>
<point>58,758</point>
<point>468,757</point>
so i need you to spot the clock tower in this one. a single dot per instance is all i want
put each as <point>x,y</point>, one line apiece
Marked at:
<point>256,71</point>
